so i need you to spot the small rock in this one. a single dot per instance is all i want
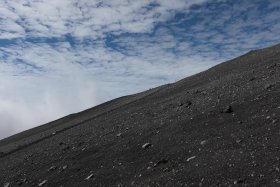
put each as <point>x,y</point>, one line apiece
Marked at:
<point>189,159</point>
<point>146,145</point>
<point>240,181</point>
<point>228,109</point>
<point>64,167</point>
<point>52,168</point>
<point>119,134</point>
<point>43,183</point>
<point>89,177</point>
<point>268,86</point>
<point>163,161</point>
<point>7,184</point>
<point>203,142</point>
<point>238,141</point>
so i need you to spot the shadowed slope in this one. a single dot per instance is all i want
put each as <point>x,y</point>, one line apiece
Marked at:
<point>219,127</point>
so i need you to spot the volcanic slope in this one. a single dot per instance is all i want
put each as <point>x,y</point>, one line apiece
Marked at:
<point>217,128</point>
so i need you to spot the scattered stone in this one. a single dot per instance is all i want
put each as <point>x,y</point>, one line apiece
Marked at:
<point>119,134</point>
<point>146,145</point>
<point>277,181</point>
<point>163,161</point>
<point>240,181</point>
<point>228,109</point>
<point>274,121</point>
<point>271,66</point>
<point>89,177</point>
<point>238,141</point>
<point>64,167</point>
<point>52,168</point>
<point>7,184</point>
<point>268,86</point>
<point>204,142</point>
<point>43,183</point>
<point>189,159</point>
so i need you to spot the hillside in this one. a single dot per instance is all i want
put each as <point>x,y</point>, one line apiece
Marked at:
<point>216,128</point>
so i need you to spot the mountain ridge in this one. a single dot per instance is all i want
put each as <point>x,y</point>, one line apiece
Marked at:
<point>218,127</point>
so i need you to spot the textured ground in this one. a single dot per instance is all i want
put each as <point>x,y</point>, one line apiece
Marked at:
<point>217,128</point>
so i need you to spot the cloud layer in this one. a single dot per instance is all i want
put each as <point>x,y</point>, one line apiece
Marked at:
<point>83,18</point>
<point>60,57</point>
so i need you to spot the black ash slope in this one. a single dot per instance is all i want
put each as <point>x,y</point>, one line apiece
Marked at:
<point>219,127</point>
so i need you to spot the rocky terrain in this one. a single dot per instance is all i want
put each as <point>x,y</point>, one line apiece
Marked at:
<point>217,128</point>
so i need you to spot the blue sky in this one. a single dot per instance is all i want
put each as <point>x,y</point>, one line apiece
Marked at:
<point>60,57</point>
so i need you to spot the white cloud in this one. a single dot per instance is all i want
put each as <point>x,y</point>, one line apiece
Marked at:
<point>30,100</point>
<point>83,18</point>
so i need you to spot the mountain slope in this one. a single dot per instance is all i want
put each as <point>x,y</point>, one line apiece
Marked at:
<point>219,127</point>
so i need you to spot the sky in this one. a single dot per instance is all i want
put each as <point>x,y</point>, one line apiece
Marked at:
<point>62,56</point>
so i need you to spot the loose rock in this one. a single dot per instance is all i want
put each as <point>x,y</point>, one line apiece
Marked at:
<point>52,168</point>
<point>268,86</point>
<point>203,142</point>
<point>43,183</point>
<point>89,177</point>
<point>146,145</point>
<point>189,159</point>
<point>163,161</point>
<point>228,109</point>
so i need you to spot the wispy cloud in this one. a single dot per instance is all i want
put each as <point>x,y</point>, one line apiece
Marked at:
<point>59,57</point>
<point>83,18</point>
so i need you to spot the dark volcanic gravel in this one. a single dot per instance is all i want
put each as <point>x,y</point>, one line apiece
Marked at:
<point>217,128</point>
